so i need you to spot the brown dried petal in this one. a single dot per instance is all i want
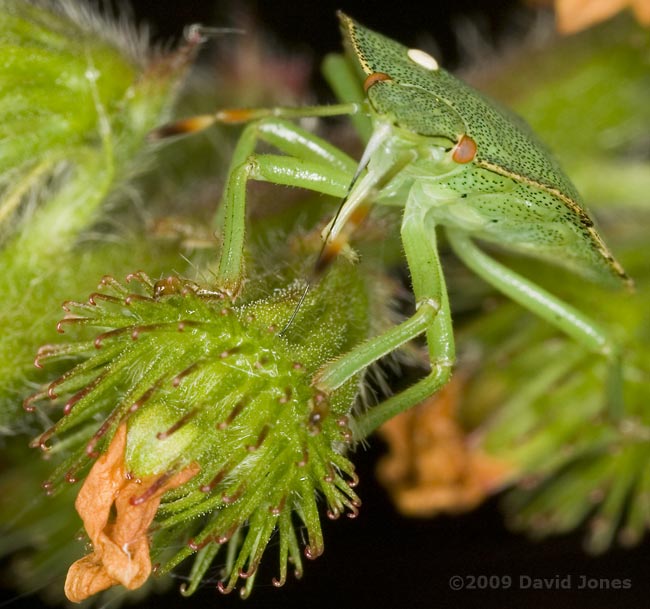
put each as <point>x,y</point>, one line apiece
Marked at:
<point>576,15</point>
<point>120,546</point>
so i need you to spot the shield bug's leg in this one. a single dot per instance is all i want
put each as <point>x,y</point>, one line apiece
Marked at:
<point>344,81</point>
<point>376,416</point>
<point>432,316</point>
<point>292,140</point>
<point>339,371</point>
<point>336,373</point>
<point>419,239</point>
<point>277,169</point>
<point>562,315</point>
<point>309,162</point>
<point>427,277</point>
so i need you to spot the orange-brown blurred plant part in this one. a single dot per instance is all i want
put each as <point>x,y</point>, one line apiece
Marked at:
<point>575,15</point>
<point>432,465</point>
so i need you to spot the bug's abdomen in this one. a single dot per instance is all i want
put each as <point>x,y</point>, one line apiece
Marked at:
<point>519,218</point>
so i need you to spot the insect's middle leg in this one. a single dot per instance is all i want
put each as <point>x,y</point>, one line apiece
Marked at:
<point>420,246</point>
<point>432,316</point>
<point>309,162</point>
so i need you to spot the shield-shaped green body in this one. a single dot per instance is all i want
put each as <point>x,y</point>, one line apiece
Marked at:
<point>511,191</point>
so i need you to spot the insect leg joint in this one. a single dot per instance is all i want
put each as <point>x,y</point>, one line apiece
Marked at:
<point>430,302</point>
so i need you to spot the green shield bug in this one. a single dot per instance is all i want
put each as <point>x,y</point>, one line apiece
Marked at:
<point>450,158</point>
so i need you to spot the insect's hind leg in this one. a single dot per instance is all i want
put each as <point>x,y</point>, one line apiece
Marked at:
<point>560,314</point>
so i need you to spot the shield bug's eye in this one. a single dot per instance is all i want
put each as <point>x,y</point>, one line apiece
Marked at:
<point>374,78</point>
<point>423,59</point>
<point>465,150</point>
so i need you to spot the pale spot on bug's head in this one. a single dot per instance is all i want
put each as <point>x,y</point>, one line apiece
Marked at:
<point>423,59</point>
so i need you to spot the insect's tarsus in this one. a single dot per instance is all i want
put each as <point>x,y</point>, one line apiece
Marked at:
<point>233,116</point>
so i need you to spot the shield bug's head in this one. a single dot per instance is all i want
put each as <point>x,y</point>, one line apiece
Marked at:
<point>401,83</point>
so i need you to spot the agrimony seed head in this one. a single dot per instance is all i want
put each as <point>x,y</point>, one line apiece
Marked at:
<point>202,381</point>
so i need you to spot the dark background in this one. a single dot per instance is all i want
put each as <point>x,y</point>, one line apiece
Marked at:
<point>313,26</point>
<point>382,559</point>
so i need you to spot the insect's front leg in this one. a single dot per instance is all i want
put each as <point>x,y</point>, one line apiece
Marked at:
<point>309,162</point>
<point>290,139</point>
<point>562,315</point>
<point>432,317</point>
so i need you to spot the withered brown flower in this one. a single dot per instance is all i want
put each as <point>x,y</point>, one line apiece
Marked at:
<point>120,544</point>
